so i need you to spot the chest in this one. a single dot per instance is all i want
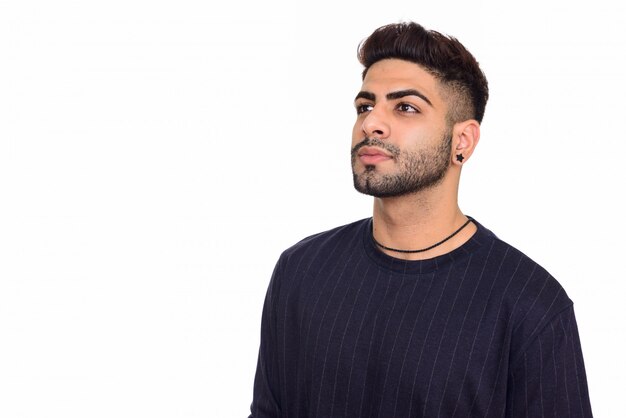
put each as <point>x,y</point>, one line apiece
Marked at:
<point>405,342</point>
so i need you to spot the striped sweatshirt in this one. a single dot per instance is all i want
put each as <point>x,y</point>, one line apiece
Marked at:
<point>483,331</point>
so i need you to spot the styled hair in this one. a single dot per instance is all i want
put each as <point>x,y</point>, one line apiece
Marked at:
<point>442,56</point>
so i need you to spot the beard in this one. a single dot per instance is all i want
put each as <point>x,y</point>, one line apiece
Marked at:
<point>417,170</point>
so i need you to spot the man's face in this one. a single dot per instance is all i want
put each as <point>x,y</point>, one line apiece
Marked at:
<point>400,141</point>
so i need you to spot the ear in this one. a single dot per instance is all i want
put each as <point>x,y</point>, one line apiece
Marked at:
<point>465,136</point>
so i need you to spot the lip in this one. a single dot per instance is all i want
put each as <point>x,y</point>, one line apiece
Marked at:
<point>373,155</point>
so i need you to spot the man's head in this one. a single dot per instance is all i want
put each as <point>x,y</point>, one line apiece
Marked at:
<point>463,84</point>
<point>423,94</point>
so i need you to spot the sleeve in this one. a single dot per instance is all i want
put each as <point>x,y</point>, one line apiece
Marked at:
<point>549,378</point>
<point>265,400</point>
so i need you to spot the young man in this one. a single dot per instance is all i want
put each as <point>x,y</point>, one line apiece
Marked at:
<point>419,311</point>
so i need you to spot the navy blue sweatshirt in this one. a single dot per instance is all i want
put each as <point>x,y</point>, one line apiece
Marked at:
<point>483,331</point>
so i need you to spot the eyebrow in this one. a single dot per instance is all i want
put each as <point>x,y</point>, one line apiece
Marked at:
<point>365,95</point>
<point>394,95</point>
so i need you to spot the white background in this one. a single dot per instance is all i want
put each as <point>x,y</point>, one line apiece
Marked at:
<point>157,156</point>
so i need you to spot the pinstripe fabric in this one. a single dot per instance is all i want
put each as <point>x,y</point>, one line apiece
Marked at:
<point>482,331</point>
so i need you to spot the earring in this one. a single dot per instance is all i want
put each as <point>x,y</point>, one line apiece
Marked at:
<point>460,158</point>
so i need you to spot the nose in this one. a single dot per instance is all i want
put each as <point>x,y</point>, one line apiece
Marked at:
<point>375,124</point>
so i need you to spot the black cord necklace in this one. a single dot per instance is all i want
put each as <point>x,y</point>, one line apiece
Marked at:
<point>423,249</point>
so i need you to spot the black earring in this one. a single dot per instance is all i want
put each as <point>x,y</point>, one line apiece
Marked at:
<point>460,158</point>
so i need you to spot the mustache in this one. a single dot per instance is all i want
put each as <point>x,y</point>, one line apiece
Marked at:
<point>375,142</point>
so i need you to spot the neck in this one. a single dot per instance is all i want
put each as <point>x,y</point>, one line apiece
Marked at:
<point>418,221</point>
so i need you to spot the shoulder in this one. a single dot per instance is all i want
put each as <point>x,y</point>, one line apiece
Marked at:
<point>327,243</point>
<point>530,283</point>
<point>314,251</point>
<point>533,296</point>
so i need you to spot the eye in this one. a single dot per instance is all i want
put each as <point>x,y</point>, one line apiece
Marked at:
<point>362,108</point>
<point>407,108</point>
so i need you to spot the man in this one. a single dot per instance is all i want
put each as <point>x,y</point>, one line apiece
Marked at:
<point>419,311</point>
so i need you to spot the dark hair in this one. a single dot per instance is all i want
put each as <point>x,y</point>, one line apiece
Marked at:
<point>442,56</point>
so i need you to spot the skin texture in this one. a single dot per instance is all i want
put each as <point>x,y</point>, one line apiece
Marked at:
<point>417,169</point>
<point>404,154</point>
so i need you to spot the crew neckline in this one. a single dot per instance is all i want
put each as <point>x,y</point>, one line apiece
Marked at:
<point>422,266</point>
